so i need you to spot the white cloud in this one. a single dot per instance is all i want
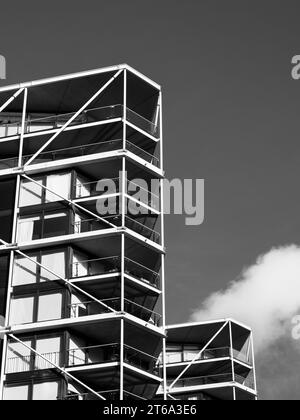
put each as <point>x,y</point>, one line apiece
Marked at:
<point>265,297</point>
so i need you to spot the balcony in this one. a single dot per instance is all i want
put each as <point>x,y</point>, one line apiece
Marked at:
<point>89,308</point>
<point>110,265</point>
<point>84,150</point>
<point>84,356</point>
<point>113,395</point>
<point>95,188</point>
<point>11,125</point>
<point>111,353</point>
<point>214,380</point>
<point>91,225</point>
<point>208,354</point>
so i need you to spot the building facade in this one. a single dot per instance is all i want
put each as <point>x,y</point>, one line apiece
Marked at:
<point>82,269</point>
<point>82,249</point>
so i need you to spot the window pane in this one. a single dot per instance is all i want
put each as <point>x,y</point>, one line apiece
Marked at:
<point>16,393</point>
<point>50,307</point>
<point>29,228</point>
<point>56,225</point>
<point>50,348</point>
<point>59,183</point>
<point>18,357</point>
<point>45,391</point>
<point>21,311</point>
<point>24,271</point>
<point>56,263</point>
<point>31,193</point>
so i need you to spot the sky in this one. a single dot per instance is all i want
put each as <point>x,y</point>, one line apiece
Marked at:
<point>230,115</point>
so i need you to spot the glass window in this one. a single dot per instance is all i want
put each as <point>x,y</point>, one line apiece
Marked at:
<point>16,393</point>
<point>56,225</point>
<point>61,184</point>
<point>21,311</point>
<point>29,228</point>
<point>55,261</point>
<point>174,354</point>
<point>31,194</point>
<point>50,348</point>
<point>25,271</point>
<point>45,391</point>
<point>50,307</point>
<point>190,352</point>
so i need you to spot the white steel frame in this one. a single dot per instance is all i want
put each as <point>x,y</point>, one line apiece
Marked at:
<point>23,171</point>
<point>226,323</point>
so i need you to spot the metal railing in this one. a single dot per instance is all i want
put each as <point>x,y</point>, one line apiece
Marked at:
<point>143,154</point>
<point>111,353</point>
<point>242,357</point>
<point>83,356</point>
<point>91,225</point>
<point>96,188</point>
<point>110,265</point>
<point>8,129</point>
<point>83,150</point>
<point>150,199</point>
<point>113,395</point>
<point>89,308</point>
<point>211,353</point>
<point>214,379</point>
<point>32,362</point>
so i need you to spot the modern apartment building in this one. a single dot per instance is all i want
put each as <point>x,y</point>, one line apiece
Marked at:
<point>210,361</point>
<point>82,250</point>
<point>79,288</point>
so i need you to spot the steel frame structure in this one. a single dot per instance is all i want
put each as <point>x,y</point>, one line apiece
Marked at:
<point>25,171</point>
<point>215,332</point>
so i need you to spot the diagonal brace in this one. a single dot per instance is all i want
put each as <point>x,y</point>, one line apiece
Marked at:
<point>63,371</point>
<point>73,117</point>
<point>62,279</point>
<point>198,355</point>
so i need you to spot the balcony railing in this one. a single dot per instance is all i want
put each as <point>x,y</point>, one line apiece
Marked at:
<point>11,126</point>
<point>91,225</point>
<point>83,150</point>
<point>113,395</point>
<point>110,265</point>
<point>32,362</point>
<point>111,353</point>
<point>92,355</point>
<point>213,379</point>
<point>94,308</point>
<point>212,353</point>
<point>96,188</point>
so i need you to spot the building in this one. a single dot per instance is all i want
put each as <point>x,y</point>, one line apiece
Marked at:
<point>210,361</point>
<point>79,289</point>
<point>82,251</point>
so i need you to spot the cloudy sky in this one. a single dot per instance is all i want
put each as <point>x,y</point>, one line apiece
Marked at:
<point>231,116</point>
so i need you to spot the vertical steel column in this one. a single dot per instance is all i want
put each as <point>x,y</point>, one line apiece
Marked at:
<point>231,353</point>
<point>253,364</point>
<point>14,240</point>
<point>123,208</point>
<point>163,284</point>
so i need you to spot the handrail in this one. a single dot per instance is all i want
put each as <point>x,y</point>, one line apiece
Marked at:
<point>83,148</point>
<point>113,395</point>
<point>115,303</point>
<point>210,379</point>
<point>56,119</point>
<point>210,353</point>
<point>152,202</point>
<point>116,260</point>
<point>152,234</point>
